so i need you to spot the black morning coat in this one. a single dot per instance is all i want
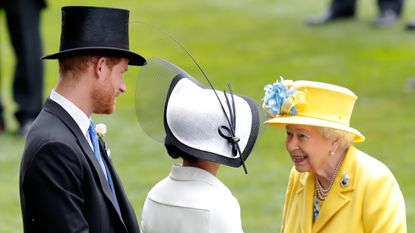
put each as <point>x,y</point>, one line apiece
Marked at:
<point>62,186</point>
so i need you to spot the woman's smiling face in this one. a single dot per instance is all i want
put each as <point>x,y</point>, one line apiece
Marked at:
<point>308,148</point>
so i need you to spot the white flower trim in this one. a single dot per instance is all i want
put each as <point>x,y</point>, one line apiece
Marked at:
<point>101,130</point>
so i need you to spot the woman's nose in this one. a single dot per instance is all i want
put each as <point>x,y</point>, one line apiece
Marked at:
<point>292,145</point>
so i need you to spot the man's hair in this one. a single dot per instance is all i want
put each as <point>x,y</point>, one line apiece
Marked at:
<point>78,64</point>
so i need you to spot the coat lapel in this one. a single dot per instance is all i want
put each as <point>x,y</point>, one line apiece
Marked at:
<point>57,110</point>
<point>339,196</point>
<point>305,205</point>
<point>116,182</point>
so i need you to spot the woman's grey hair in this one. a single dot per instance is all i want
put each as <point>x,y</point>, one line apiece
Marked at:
<point>345,138</point>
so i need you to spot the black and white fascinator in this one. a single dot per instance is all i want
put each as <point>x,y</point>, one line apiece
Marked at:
<point>199,121</point>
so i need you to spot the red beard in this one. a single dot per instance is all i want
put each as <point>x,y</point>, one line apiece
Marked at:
<point>103,97</point>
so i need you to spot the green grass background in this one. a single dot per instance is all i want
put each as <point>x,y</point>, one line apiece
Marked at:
<point>251,43</point>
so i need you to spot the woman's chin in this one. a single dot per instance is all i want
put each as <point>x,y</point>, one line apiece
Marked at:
<point>301,167</point>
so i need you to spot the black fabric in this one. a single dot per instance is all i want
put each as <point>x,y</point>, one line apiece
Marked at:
<point>2,124</point>
<point>348,7</point>
<point>62,186</point>
<point>394,5</point>
<point>175,147</point>
<point>96,30</point>
<point>343,7</point>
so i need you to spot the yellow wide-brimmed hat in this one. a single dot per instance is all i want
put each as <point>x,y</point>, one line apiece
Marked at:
<point>310,103</point>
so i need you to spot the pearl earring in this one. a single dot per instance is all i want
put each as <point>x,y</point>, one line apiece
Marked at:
<point>331,153</point>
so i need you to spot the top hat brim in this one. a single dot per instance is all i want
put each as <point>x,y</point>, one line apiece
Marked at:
<point>134,58</point>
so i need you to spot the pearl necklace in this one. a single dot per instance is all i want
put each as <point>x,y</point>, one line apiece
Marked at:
<point>322,192</point>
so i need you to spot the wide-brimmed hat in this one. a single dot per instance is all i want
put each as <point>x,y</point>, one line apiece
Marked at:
<point>310,103</point>
<point>95,31</point>
<point>198,121</point>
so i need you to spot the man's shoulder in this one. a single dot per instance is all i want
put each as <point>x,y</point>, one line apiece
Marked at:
<point>49,141</point>
<point>48,129</point>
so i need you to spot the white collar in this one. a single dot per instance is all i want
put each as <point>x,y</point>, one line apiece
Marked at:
<point>77,114</point>
<point>179,172</point>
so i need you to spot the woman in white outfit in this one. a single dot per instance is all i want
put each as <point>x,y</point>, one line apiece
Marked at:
<point>191,199</point>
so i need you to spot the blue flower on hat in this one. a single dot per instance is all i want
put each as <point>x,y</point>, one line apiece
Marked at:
<point>276,97</point>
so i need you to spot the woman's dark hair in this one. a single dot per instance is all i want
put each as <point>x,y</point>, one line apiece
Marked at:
<point>175,153</point>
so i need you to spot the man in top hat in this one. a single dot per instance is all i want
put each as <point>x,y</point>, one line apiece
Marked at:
<point>67,180</point>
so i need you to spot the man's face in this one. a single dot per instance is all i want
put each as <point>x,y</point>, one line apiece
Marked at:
<point>109,86</point>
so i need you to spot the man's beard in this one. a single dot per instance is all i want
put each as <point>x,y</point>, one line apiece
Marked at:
<point>103,97</point>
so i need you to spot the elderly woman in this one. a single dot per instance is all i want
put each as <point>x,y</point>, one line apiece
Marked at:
<point>333,187</point>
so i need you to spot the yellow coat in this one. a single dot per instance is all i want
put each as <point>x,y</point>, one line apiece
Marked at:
<point>371,202</point>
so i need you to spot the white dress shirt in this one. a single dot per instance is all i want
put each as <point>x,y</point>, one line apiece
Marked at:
<point>191,200</point>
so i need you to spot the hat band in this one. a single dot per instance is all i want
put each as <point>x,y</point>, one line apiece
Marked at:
<point>328,118</point>
<point>82,44</point>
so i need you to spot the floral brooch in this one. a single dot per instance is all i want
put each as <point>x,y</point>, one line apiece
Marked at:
<point>279,99</point>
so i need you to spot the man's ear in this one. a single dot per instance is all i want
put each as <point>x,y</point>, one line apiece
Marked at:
<point>100,67</point>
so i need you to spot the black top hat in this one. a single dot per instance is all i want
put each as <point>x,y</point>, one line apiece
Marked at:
<point>95,31</point>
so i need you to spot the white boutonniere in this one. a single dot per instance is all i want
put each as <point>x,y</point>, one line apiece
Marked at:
<point>101,130</point>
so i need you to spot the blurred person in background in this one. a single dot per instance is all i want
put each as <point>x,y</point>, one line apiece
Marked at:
<point>23,21</point>
<point>410,26</point>
<point>389,12</point>
<point>333,186</point>
<point>191,198</point>
<point>67,180</point>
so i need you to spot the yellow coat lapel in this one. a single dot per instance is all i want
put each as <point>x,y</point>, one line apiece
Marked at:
<point>339,195</point>
<point>305,194</point>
